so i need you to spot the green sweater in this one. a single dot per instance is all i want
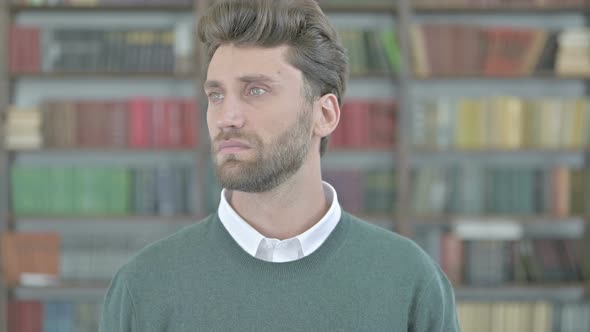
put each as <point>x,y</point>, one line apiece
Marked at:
<point>362,278</point>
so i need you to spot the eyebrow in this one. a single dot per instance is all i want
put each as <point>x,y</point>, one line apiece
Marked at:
<point>246,79</point>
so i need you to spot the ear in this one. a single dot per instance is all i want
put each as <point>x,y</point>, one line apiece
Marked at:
<point>327,115</point>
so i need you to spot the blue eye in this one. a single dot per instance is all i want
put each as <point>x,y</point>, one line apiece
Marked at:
<point>257,92</point>
<point>215,96</point>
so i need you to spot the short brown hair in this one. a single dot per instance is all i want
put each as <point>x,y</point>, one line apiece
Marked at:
<point>313,43</point>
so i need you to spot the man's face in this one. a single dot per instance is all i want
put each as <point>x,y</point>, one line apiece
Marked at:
<point>259,120</point>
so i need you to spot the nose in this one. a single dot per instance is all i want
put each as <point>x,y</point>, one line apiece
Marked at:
<point>230,114</point>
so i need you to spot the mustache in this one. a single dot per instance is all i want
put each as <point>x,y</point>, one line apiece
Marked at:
<point>237,135</point>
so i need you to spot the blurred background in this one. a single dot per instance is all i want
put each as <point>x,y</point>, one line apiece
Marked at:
<point>466,127</point>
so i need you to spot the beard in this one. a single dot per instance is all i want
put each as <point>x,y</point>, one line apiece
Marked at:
<point>272,165</point>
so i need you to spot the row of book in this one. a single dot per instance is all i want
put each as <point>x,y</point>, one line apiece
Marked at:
<point>164,50</point>
<point>137,123</point>
<point>526,261</point>
<point>478,190</point>
<point>164,190</point>
<point>97,256</point>
<point>438,50</point>
<point>367,192</point>
<point>371,52</point>
<point>498,3</point>
<point>518,316</point>
<point>53,316</point>
<point>471,50</point>
<point>537,316</point>
<point>502,122</point>
<point>366,124</point>
<point>74,253</point>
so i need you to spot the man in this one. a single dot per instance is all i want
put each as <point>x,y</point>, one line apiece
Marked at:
<point>279,254</point>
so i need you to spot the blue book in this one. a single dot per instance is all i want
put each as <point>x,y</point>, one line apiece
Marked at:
<point>49,317</point>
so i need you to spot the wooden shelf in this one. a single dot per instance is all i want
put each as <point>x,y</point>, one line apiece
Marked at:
<point>545,157</point>
<point>67,291</point>
<point>564,293</point>
<point>358,8</point>
<point>531,226</point>
<point>109,219</point>
<point>328,7</point>
<point>357,158</point>
<point>106,150</point>
<point>506,9</point>
<point>101,8</point>
<point>537,76</point>
<point>104,75</point>
<point>384,158</point>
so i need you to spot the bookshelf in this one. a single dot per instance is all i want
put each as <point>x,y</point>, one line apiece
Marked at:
<point>61,8</point>
<point>487,230</point>
<point>565,293</point>
<point>403,156</point>
<point>149,227</point>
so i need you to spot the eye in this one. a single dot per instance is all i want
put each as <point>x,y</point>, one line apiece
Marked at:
<point>256,91</point>
<point>215,96</point>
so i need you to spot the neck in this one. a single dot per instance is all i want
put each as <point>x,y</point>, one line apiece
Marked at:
<point>288,210</point>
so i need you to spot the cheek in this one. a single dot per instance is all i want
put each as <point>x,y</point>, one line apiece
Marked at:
<point>211,124</point>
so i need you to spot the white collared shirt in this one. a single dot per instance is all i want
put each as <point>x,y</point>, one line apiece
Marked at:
<point>274,250</point>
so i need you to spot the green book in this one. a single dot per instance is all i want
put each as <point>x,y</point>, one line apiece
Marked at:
<point>61,200</point>
<point>392,50</point>
<point>118,192</point>
<point>30,190</point>
<point>89,184</point>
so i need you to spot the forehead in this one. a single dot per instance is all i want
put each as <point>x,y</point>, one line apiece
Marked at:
<point>232,62</point>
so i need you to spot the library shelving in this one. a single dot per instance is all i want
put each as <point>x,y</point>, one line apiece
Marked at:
<point>379,162</point>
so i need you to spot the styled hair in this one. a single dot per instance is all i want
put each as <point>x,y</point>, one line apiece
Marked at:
<point>314,47</point>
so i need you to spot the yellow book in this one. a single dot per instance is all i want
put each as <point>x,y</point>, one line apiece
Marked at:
<point>419,56</point>
<point>578,123</point>
<point>498,317</point>
<point>542,317</point>
<point>463,124</point>
<point>510,317</point>
<point>465,316</point>
<point>550,123</point>
<point>512,123</point>
<point>483,316</point>
<point>481,128</point>
<point>525,316</point>
<point>495,130</point>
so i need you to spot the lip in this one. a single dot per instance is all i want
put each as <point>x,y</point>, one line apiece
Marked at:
<point>232,146</point>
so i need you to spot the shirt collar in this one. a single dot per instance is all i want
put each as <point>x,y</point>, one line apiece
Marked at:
<point>249,238</point>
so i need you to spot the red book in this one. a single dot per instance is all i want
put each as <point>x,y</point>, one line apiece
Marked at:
<point>507,50</point>
<point>26,56</point>
<point>357,124</point>
<point>382,127</point>
<point>159,122</point>
<point>31,316</point>
<point>116,124</point>
<point>433,36</point>
<point>140,122</point>
<point>172,126</point>
<point>34,50</point>
<point>190,123</point>
<point>91,124</point>
<point>452,258</point>
<point>336,139</point>
<point>13,318</point>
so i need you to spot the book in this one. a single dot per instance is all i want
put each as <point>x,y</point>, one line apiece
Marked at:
<point>29,252</point>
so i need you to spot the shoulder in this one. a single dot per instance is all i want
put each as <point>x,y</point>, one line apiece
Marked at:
<point>390,249</point>
<point>173,251</point>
